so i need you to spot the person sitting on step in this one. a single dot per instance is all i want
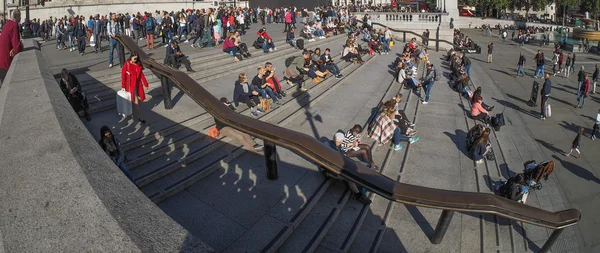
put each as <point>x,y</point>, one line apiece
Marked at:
<point>241,46</point>
<point>71,88</point>
<point>383,129</point>
<point>245,93</point>
<point>273,81</point>
<point>262,86</point>
<point>350,53</point>
<point>352,147</point>
<point>313,70</point>
<point>336,144</point>
<point>329,64</point>
<point>113,149</point>
<point>267,41</point>
<point>230,47</point>
<point>478,112</point>
<point>481,147</point>
<point>175,57</point>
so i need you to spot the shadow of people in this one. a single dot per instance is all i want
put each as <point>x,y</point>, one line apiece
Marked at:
<point>577,170</point>
<point>459,138</point>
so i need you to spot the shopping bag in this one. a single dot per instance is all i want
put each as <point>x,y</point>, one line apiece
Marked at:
<point>92,41</point>
<point>214,133</point>
<point>124,107</point>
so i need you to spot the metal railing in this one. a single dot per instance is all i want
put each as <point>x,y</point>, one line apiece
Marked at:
<point>437,39</point>
<point>335,163</point>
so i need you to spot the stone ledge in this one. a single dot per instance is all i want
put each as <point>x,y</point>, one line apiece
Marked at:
<point>59,191</point>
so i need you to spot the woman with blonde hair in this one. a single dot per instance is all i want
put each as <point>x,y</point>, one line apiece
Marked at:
<point>246,93</point>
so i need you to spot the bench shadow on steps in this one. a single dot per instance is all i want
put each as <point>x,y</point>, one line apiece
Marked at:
<point>506,222</point>
<point>576,169</point>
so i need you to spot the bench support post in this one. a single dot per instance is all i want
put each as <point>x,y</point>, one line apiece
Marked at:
<point>553,237</point>
<point>121,54</point>
<point>442,226</point>
<point>166,91</point>
<point>271,160</point>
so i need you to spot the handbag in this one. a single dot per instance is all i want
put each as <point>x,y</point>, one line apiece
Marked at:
<point>214,133</point>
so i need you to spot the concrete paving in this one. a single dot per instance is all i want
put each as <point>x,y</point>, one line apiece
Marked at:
<point>235,209</point>
<point>576,179</point>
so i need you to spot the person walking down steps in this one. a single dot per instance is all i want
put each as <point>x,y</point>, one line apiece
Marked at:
<point>576,144</point>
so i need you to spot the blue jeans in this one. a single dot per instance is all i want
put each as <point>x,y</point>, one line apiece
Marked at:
<point>319,33</point>
<point>333,68</point>
<point>268,91</point>
<point>398,137</point>
<point>112,45</point>
<point>293,43</point>
<point>206,38</point>
<point>386,45</point>
<point>266,46</point>
<point>125,171</point>
<point>181,30</point>
<point>520,70</point>
<point>427,87</point>
<point>580,99</point>
<point>468,70</point>
<point>231,49</point>
<point>71,41</point>
<point>540,69</point>
<point>579,89</point>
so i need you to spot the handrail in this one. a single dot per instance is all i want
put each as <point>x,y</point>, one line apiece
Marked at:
<point>350,170</point>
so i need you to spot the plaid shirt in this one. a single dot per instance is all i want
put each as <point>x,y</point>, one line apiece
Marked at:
<point>382,129</point>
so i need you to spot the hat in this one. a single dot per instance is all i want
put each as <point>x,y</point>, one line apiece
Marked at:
<point>338,137</point>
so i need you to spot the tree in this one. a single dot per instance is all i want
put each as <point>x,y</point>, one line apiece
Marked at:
<point>566,4</point>
<point>591,6</point>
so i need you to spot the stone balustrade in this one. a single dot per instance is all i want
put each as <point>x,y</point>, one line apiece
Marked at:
<point>59,191</point>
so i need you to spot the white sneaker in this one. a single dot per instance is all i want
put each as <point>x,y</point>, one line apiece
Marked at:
<point>186,41</point>
<point>110,65</point>
<point>275,48</point>
<point>479,161</point>
<point>424,103</point>
<point>311,40</point>
<point>303,89</point>
<point>270,50</point>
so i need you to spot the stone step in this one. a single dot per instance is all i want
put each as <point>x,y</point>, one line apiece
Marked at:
<point>174,162</point>
<point>346,228</point>
<point>202,64</point>
<point>307,236</point>
<point>209,54</point>
<point>203,77</point>
<point>180,139</point>
<point>370,225</point>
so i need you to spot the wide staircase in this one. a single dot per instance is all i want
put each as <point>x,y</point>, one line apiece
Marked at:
<point>219,191</point>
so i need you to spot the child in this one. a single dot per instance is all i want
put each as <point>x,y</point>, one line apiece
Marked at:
<point>576,143</point>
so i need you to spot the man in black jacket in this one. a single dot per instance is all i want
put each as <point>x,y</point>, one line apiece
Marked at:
<point>80,36</point>
<point>545,93</point>
<point>175,57</point>
<point>329,64</point>
<point>72,89</point>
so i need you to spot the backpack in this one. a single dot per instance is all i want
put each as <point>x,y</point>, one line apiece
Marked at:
<point>149,24</point>
<point>289,61</point>
<point>436,77</point>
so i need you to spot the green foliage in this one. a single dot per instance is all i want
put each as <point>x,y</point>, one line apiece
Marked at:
<point>592,6</point>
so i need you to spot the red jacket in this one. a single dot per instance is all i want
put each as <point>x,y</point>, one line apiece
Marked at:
<point>132,77</point>
<point>9,40</point>
<point>264,34</point>
<point>586,86</point>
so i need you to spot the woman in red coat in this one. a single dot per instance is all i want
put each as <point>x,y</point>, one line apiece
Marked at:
<point>134,81</point>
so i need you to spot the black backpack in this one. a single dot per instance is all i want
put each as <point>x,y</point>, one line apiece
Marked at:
<point>472,136</point>
<point>289,61</point>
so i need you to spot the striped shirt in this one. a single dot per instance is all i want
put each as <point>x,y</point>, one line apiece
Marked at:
<point>349,139</point>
